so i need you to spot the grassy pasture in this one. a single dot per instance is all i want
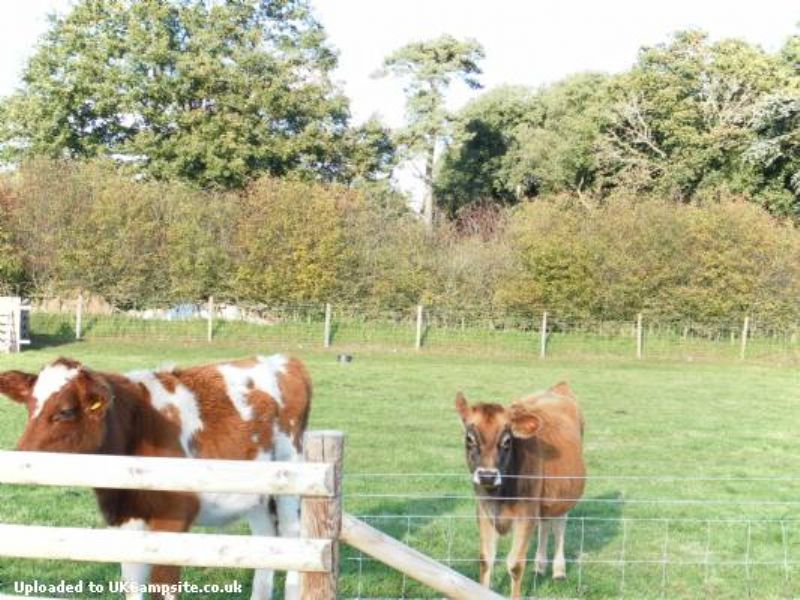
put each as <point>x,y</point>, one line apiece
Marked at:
<point>638,533</point>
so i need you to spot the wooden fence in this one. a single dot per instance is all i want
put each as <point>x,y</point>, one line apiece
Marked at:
<point>314,554</point>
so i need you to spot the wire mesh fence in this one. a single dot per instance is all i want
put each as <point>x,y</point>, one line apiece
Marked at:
<point>629,536</point>
<point>541,333</point>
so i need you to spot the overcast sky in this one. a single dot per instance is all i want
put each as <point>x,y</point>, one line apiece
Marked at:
<point>528,42</point>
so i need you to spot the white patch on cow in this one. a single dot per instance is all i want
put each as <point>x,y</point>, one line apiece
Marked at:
<point>288,506</point>
<point>220,509</point>
<point>263,376</point>
<point>275,366</point>
<point>182,400</point>
<point>50,381</point>
<point>134,572</point>
<point>236,380</point>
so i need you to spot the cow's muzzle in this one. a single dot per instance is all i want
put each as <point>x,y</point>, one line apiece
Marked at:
<point>489,479</point>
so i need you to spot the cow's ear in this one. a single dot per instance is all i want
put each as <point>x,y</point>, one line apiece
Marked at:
<point>95,394</point>
<point>462,408</point>
<point>96,405</point>
<point>562,389</point>
<point>17,385</point>
<point>524,423</point>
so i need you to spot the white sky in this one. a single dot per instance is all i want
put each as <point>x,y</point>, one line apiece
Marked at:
<point>528,42</point>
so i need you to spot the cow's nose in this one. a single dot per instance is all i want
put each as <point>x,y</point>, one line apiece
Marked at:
<point>487,477</point>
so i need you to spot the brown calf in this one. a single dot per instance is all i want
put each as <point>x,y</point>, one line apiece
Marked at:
<point>253,409</point>
<point>526,467</point>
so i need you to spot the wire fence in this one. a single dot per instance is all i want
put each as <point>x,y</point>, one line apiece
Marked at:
<point>630,536</point>
<point>347,328</point>
<point>634,536</point>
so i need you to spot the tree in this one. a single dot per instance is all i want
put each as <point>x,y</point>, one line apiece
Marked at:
<point>12,271</point>
<point>557,153</point>
<point>215,93</point>
<point>679,125</point>
<point>290,243</point>
<point>368,153</point>
<point>429,67</point>
<point>511,143</point>
<point>776,152</point>
<point>791,54</point>
<point>475,166</point>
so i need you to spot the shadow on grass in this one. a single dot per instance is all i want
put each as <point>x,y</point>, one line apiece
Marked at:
<point>598,519</point>
<point>423,338</point>
<point>61,336</point>
<point>591,526</point>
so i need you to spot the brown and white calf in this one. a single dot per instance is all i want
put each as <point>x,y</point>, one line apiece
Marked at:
<point>252,409</point>
<point>527,467</point>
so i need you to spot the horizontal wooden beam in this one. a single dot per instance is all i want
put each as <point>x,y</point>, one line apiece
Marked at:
<point>184,549</point>
<point>416,565</point>
<point>171,474</point>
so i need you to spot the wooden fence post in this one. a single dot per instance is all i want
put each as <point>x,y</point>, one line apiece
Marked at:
<point>543,336</point>
<point>639,336</point>
<point>78,315</point>
<point>326,340</point>
<point>745,333</point>
<point>321,517</point>
<point>418,342</point>
<point>210,318</point>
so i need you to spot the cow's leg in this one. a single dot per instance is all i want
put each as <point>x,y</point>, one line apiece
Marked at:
<point>489,536</point>
<point>559,562</point>
<point>262,522</point>
<point>540,563</point>
<point>515,562</point>
<point>166,575</point>
<point>288,507</point>
<point>134,574</point>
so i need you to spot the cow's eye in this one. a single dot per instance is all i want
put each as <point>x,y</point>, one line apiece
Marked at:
<point>505,443</point>
<point>66,414</point>
<point>471,441</point>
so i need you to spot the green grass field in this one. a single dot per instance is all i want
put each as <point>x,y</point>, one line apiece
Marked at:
<point>715,531</point>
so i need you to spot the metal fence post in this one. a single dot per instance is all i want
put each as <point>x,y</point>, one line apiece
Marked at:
<point>78,315</point>
<point>210,318</point>
<point>418,342</point>
<point>745,334</point>
<point>639,336</point>
<point>326,340</point>
<point>321,517</point>
<point>543,336</point>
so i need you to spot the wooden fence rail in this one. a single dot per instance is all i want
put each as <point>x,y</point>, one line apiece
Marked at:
<point>168,474</point>
<point>185,549</point>
<point>314,554</point>
<point>416,565</point>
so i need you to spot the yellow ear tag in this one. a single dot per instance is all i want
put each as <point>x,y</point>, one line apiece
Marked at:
<point>96,405</point>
